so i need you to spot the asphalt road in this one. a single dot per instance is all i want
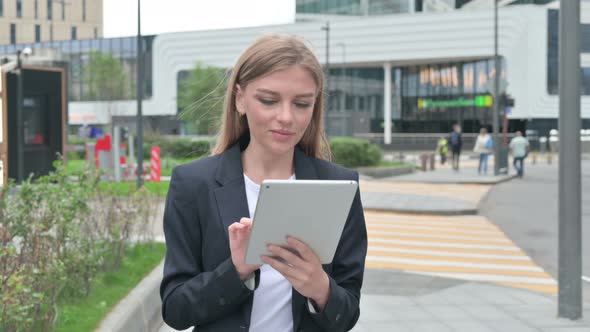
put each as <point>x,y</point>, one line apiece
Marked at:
<point>527,211</point>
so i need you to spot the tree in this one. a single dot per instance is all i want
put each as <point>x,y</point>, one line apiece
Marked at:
<point>200,97</point>
<point>105,77</point>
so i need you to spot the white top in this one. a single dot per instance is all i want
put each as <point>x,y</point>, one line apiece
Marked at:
<point>519,146</point>
<point>481,144</point>
<point>271,309</point>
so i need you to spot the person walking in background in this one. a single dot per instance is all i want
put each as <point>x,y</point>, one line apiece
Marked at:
<point>519,146</point>
<point>483,145</point>
<point>442,148</point>
<point>456,144</point>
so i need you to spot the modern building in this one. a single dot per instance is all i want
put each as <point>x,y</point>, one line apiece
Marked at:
<point>430,63</point>
<point>34,21</point>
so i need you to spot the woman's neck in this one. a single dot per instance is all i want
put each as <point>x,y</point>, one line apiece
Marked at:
<point>259,166</point>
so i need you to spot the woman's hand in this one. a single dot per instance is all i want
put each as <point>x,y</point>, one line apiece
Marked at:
<point>302,267</point>
<point>239,233</point>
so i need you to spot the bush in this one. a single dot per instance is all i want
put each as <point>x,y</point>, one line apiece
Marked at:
<point>354,152</point>
<point>57,233</point>
<point>178,148</point>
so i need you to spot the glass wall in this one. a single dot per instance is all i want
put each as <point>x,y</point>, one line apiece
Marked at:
<point>424,98</point>
<point>117,54</point>
<point>553,54</point>
<point>356,7</point>
<point>334,7</point>
<point>438,95</point>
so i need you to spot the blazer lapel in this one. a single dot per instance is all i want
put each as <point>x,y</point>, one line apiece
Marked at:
<point>231,199</point>
<point>232,203</point>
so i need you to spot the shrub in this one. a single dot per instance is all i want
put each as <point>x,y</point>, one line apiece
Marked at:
<point>178,148</point>
<point>57,233</point>
<point>354,152</point>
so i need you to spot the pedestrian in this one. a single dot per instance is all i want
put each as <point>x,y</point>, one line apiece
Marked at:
<point>442,149</point>
<point>519,146</point>
<point>272,128</point>
<point>483,146</point>
<point>456,142</point>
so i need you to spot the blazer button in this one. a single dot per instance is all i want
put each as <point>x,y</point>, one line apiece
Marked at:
<point>221,301</point>
<point>337,317</point>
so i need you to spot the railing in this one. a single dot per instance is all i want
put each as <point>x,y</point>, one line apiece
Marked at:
<point>418,141</point>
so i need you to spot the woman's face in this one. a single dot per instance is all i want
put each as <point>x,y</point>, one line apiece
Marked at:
<point>279,107</point>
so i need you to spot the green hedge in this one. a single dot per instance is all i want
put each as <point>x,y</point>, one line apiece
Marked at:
<point>354,152</point>
<point>179,148</point>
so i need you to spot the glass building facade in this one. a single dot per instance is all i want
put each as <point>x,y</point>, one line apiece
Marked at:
<point>424,98</point>
<point>553,54</point>
<point>355,7</point>
<point>77,54</point>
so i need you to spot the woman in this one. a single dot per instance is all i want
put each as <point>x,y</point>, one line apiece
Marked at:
<point>483,147</point>
<point>272,129</point>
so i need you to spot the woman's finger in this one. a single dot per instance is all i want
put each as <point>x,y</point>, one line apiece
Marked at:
<point>288,256</point>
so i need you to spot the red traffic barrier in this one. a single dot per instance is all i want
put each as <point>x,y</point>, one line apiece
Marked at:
<point>155,171</point>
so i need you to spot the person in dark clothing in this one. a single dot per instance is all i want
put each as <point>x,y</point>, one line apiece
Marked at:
<point>456,143</point>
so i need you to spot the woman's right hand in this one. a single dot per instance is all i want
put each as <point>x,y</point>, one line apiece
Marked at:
<point>239,233</point>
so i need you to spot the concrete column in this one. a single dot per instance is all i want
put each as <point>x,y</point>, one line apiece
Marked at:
<point>387,103</point>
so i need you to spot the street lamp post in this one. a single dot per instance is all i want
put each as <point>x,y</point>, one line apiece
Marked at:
<point>19,118</point>
<point>139,86</point>
<point>327,29</point>
<point>570,190</point>
<point>495,115</point>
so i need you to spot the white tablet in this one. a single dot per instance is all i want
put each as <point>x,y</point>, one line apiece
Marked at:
<point>313,211</point>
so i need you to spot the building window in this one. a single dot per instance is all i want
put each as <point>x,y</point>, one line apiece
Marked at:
<point>74,33</point>
<point>37,33</point>
<point>36,9</point>
<point>84,10</point>
<point>19,8</point>
<point>63,11</point>
<point>13,33</point>
<point>50,9</point>
<point>95,33</point>
<point>1,8</point>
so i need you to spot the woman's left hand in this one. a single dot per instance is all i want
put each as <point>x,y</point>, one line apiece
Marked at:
<point>303,269</point>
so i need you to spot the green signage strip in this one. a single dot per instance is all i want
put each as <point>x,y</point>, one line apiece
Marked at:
<point>477,101</point>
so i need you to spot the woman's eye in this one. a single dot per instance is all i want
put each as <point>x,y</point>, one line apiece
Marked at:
<point>302,105</point>
<point>267,102</point>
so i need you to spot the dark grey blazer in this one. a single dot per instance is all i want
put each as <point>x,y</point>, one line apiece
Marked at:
<point>201,286</point>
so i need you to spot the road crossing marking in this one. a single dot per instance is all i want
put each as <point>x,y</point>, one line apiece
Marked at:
<point>460,247</point>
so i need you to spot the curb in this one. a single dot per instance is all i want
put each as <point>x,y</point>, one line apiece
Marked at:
<point>426,212</point>
<point>140,310</point>
<point>384,172</point>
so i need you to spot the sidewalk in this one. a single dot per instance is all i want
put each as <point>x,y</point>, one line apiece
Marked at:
<point>428,272</point>
<point>439,305</point>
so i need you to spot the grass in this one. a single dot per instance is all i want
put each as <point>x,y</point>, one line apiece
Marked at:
<point>127,188</point>
<point>167,164</point>
<point>385,163</point>
<point>78,315</point>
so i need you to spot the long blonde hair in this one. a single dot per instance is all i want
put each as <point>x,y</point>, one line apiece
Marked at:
<point>266,55</point>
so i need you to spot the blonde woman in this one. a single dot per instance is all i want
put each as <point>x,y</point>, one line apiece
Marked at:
<point>272,129</point>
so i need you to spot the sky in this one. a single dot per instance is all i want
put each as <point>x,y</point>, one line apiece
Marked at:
<point>161,16</point>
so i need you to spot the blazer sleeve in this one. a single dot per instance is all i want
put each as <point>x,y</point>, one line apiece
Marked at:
<point>342,309</point>
<point>191,296</point>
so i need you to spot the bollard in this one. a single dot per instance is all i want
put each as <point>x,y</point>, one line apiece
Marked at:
<point>431,159</point>
<point>155,170</point>
<point>423,160</point>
